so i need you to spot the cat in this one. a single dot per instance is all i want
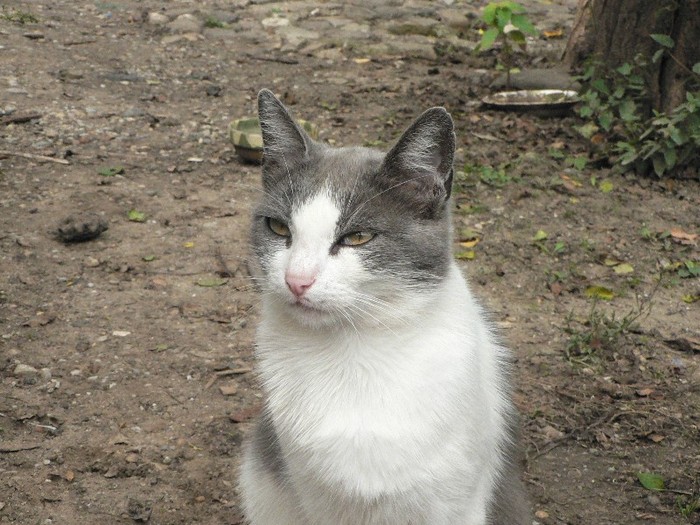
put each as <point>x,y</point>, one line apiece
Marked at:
<point>387,399</point>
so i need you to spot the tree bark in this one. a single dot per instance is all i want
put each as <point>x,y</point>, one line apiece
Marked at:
<point>615,31</point>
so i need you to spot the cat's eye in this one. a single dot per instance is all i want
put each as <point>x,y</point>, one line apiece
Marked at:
<point>278,227</point>
<point>356,238</point>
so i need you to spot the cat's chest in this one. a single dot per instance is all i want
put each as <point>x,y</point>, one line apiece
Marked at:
<point>370,414</point>
<point>363,388</point>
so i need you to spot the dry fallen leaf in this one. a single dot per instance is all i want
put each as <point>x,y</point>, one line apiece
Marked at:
<point>644,392</point>
<point>683,237</point>
<point>228,389</point>
<point>553,33</point>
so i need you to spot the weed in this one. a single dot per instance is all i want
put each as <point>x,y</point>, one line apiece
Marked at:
<point>19,17</point>
<point>212,22</point>
<point>602,332</point>
<point>505,21</point>
<point>496,177</point>
<point>688,505</point>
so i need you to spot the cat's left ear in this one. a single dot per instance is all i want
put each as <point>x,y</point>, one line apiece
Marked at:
<point>422,158</point>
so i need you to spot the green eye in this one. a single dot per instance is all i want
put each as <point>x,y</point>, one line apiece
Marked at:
<point>357,238</point>
<point>278,227</point>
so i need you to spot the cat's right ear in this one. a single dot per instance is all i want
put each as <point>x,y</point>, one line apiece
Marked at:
<point>285,144</point>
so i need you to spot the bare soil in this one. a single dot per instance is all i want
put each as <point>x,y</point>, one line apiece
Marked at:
<point>126,382</point>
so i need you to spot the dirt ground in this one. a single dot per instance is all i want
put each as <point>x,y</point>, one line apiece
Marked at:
<point>126,382</point>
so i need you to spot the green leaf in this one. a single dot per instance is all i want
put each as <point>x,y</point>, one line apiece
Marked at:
<point>466,255</point>
<point>625,69</point>
<point>149,258</point>
<point>517,37</point>
<point>624,268</point>
<point>628,110</point>
<point>522,23</point>
<point>580,162</point>
<point>659,165</point>
<point>111,171</point>
<point>664,40</point>
<point>696,68</point>
<point>670,157</point>
<point>690,299</point>
<point>651,481</point>
<point>489,15</point>
<point>600,292</point>
<point>606,186</point>
<point>502,18</point>
<point>488,39</point>
<point>585,111</point>
<point>541,235</point>
<point>211,282</point>
<point>136,216</point>
<point>656,56</point>
<point>600,85</point>
<point>588,130</point>
<point>606,120</point>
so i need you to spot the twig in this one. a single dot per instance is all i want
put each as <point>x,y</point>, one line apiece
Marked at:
<point>281,60</point>
<point>41,158</point>
<point>224,270</point>
<point>224,373</point>
<point>7,449</point>
<point>79,42</point>
<point>233,371</point>
<point>19,119</point>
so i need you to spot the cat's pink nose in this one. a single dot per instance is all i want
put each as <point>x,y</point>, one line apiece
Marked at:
<point>299,284</point>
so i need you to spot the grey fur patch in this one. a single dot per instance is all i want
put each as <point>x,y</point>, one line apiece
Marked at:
<point>402,196</point>
<point>267,450</point>
<point>509,505</point>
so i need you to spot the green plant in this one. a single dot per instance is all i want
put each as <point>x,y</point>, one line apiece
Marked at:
<point>505,21</point>
<point>614,103</point>
<point>19,17</point>
<point>213,22</point>
<point>601,332</point>
<point>490,175</point>
<point>687,506</point>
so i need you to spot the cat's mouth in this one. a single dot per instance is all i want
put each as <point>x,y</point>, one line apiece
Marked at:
<point>306,305</point>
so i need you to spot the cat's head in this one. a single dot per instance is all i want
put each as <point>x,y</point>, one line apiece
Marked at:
<point>352,236</point>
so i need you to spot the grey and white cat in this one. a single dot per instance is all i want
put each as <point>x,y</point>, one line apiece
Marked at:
<point>387,400</point>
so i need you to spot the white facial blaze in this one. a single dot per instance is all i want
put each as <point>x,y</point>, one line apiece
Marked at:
<point>313,234</point>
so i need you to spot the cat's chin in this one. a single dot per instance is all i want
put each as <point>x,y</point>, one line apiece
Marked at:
<point>310,315</point>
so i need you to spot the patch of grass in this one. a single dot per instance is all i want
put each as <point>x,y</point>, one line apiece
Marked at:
<point>213,22</point>
<point>688,505</point>
<point>19,17</point>
<point>490,175</point>
<point>601,333</point>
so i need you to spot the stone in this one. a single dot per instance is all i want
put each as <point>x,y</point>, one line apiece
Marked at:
<point>296,37</point>
<point>23,371</point>
<point>275,21</point>
<point>81,227</point>
<point>157,19</point>
<point>186,23</point>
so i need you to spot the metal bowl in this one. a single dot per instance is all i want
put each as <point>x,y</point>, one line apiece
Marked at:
<point>543,102</point>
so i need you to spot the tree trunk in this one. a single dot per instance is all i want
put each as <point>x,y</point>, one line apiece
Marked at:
<point>615,31</point>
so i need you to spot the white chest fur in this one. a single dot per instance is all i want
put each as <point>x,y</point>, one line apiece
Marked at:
<point>388,417</point>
